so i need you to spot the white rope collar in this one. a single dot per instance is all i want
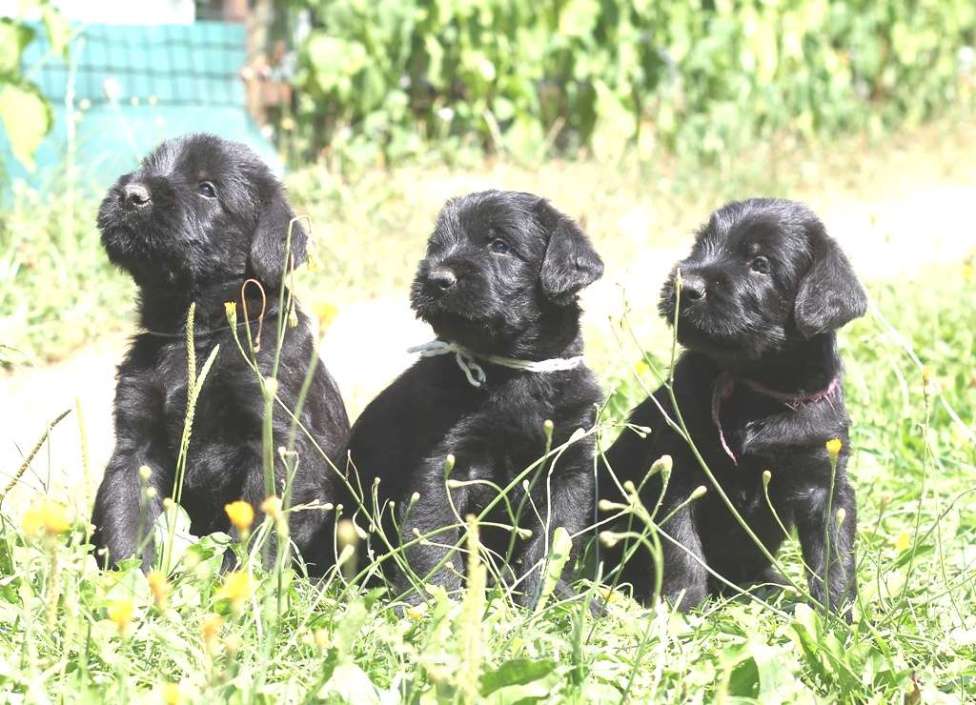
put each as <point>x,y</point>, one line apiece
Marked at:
<point>467,360</point>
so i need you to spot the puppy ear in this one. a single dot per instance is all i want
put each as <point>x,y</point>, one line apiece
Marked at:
<point>830,294</point>
<point>271,240</point>
<point>570,262</point>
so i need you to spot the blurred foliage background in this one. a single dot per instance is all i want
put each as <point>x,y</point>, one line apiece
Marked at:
<point>387,80</point>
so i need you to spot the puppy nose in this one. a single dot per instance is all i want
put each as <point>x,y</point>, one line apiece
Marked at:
<point>442,278</point>
<point>692,288</point>
<point>135,195</point>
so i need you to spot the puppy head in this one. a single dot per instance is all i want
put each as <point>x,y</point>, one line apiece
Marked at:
<point>500,267</point>
<point>200,211</point>
<point>762,276</point>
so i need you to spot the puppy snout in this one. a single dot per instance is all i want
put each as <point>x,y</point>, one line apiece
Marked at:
<point>135,196</point>
<point>442,279</point>
<point>693,288</point>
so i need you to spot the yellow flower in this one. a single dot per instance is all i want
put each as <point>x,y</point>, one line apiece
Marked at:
<point>238,588</point>
<point>171,694</point>
<point>611,596</point>
<point>833,448</point>
<point>272,507</point>
<point>326,313</point>
<point>159,587</point>
<point>322,640</point>
<point>903,542</point>
<point>120,612</point>
<point>241,515</point>
<point>46,517</point>
<point>230,310</point>
<point>416,612</point>
<point>209,629</point>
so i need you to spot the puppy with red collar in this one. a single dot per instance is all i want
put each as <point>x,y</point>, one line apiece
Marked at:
<point>758,388</point>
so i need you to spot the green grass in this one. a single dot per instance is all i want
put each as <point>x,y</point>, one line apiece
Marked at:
<point>913,639</point>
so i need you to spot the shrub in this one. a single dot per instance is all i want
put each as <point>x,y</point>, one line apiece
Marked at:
<point>386,80</point>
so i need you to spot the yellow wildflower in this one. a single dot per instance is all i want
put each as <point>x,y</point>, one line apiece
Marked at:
<point>416,612</point>
<point>171,694</point>
<point>159,587</point>
<point>120,612</point>
<point>238,588</point>
<point>326,313</point>
<point>834,446</point>
<point>46,517</point>
<point>322,640</point>
<point>241,515</point>
<point>903,542</point>
<point>209,629</point>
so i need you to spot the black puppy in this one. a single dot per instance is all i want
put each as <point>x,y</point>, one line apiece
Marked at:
<point>759,389</point>
<point>498,286</point>
<point>192,224</point>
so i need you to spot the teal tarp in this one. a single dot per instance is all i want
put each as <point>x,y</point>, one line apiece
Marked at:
<point>131,87</point>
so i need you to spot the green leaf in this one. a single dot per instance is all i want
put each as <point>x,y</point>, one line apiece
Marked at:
<point>515,672</point>
<point>58,30</point>
<point>26,117</point>
<point>14,37</point>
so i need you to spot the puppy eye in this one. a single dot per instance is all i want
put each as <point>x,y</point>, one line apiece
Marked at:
<point>207,189</point>
<point>499,246</point>
<point>760,265</point>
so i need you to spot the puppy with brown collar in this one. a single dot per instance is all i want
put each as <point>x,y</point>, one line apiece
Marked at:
<point>759,389</point>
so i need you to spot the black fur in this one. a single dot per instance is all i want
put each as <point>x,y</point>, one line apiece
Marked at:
<point>500,277</point>
<point>763,291</point>
<point>198,218</point>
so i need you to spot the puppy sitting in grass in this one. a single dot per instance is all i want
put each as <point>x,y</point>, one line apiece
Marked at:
<point>759,391</point>
<point>458,433</point>
<point>197,220</point>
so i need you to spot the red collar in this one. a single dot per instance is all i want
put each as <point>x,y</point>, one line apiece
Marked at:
<point>725,386</point>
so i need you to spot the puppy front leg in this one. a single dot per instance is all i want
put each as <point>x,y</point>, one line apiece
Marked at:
<point>429,532</point>
<point>685,580</point>
<point>123,515</point>
<point>569,505</point>
<point>828,546</point>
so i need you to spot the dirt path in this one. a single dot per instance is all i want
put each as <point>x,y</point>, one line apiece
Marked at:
<point>365,347</point>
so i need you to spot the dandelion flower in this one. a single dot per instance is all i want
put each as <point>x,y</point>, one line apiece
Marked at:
<point>159,587</point>
<point>903,542</point>
<point>237,588</point>
<point>210,628</point>
<point>241,515</point>
<point>416,612</point>
<point>326,313</point>
<point>47,517</point>
<point>834,446</point>
<point>171,694</point>
<point>120,612</point>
